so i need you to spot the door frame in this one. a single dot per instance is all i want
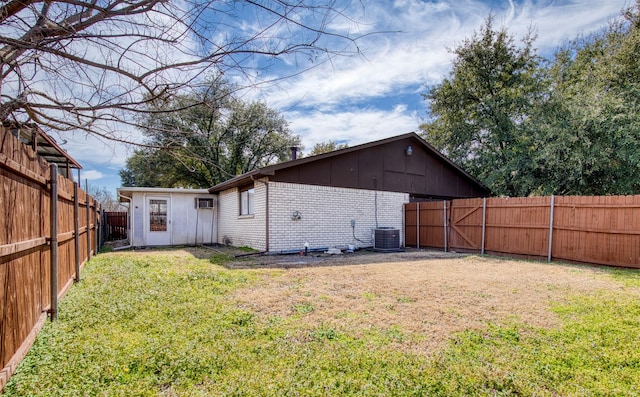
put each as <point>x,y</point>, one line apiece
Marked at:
<point>157,237</point>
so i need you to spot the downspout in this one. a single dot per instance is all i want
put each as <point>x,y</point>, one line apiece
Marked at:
<point>131,223</point>
<point>266,184</point>
<point>214,221</point>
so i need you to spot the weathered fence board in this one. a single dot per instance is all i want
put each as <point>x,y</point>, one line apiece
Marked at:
<point>25,252</point>
<point>424,228</point>
<point>115,225</point>
<point>595,229</point>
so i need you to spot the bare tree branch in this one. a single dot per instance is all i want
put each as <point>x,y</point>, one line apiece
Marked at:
<point>83,64</point>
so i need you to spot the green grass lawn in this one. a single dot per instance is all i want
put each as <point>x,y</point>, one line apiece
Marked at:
<point>164,325</point>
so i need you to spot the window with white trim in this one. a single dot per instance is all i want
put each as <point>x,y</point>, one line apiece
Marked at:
<point>246,200</point>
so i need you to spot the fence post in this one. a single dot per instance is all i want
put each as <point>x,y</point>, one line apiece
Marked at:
<point>445,225</point>
<point>98,228</point>
<point>418,224</point>
<point>484,221</point>
<point>76,228</point>
<point>87,199</point>
<point>551,210</point>
<point>53,242</point>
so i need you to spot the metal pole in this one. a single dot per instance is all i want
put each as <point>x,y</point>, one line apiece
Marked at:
<point>76,228</point>
<point>87,197</point>
<point>53,243</point>
<point>551,210</point>
<point>484,221</point>
<point>418,224</point>
<point>445,225</point>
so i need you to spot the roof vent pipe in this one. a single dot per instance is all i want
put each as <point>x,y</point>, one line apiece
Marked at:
<point>294,152</point>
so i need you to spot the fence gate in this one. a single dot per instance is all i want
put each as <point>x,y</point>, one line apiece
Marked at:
<point>465,224</point>
<point>116,225</point>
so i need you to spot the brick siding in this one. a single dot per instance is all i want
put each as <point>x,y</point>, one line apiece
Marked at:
<point>325,216</point>
<point>248,230</point>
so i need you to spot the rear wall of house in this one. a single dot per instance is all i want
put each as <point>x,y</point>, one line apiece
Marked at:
<point>242,230</point>
<point>325,215</point>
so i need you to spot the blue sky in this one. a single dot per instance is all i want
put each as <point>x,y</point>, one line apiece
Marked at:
<point>377,94</point>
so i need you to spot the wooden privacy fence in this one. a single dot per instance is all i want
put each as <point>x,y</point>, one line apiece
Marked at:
<point>48,230</point>
<point>115,225</point>
<point>596,229</point>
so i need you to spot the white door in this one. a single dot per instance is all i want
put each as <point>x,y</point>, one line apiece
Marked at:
<point>158,221</point>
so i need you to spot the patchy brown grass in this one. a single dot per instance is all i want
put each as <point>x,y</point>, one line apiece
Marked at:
<point>423,296</point>
<point>423,300</point>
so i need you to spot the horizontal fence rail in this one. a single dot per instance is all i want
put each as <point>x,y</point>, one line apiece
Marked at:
<point>48,230</point>
<point>591,229</point>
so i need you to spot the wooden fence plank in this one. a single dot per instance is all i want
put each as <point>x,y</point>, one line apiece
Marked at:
<point>117,222</point>
<point>26,278</point>
<point>8,249</point>
<point>600,229</point>
<point>21,170</point>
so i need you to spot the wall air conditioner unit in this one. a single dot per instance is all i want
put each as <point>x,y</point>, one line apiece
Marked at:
<point>204,203</point>
<point>386,239</point>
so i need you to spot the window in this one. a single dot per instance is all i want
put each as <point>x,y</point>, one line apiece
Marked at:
<point>206,203</point>
<point>246,201</point>
<point>158,215</point>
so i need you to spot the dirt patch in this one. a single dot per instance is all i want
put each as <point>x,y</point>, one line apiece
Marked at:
<point>425,295</point>
<point>321,259</point>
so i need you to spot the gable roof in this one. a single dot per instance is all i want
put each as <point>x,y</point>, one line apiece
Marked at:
<point>271,170</point>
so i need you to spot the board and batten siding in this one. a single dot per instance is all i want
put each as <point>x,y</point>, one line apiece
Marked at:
<point>189,226</point>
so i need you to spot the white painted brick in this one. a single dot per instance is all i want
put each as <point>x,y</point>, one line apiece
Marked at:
<point>326,216</point>
<point>242,230</point>
<point>327,213</point>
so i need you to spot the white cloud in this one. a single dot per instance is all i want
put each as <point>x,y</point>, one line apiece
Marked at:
<point>362,98</point>
<point>417,52</point>
<point>353,127</point>
<point>88,148</point>
<point>327,101</point>
<point>560,21</point>
<point>92,175</point>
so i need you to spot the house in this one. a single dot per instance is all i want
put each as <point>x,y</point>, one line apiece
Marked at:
<point>336,199</point>
<point>162,216</point>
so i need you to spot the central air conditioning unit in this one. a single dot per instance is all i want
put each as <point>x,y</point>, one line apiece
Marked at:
<point>386,239</point>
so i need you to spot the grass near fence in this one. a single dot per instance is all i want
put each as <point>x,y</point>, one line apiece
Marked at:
<point>164,325</point>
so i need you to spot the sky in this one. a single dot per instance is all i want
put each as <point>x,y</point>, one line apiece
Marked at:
<point>377,93</point>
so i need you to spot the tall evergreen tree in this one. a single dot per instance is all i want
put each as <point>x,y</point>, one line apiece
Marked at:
<point>524,125</point>
<point>209,138</point>
<point>589,141</point>
<point>479,112</point>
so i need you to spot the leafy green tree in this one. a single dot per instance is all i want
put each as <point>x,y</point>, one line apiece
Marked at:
<point>326,147</point>
<point>157,168</point>
<point>525,126</point>
<point>480,111</point>
<point>209,138</point>
<point>588,142</point>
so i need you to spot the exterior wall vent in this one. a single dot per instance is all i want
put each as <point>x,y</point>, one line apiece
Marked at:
<point>386,239</point>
